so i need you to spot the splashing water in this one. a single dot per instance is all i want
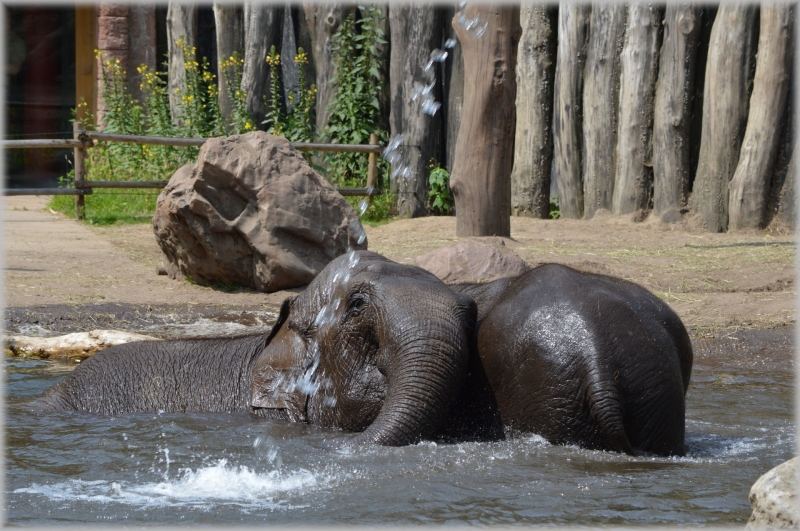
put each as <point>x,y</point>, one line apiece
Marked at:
<point>362,207</point>
<point>475,27</point>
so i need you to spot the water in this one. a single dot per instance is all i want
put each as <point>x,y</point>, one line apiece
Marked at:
<point>64,467</point>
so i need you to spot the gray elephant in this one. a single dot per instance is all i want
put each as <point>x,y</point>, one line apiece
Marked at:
<point>584,359</point>
<point>370,346</point>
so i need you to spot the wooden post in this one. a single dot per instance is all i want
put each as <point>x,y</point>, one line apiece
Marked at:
<point>372,168</point>
<point>481,179</point>
<point>573,33</point>
<point>77,129</point>
<point>85,63</point>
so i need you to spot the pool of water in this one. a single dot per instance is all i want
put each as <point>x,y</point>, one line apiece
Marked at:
<point>66,468</point>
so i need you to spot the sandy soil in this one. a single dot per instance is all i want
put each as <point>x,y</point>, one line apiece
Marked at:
<point>713,281</point>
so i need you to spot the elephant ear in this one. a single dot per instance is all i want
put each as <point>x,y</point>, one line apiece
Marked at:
<point>271,375</point>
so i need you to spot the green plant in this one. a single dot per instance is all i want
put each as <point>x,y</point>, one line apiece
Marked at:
<point>199,103</point>
<point>555,213</point>
<point>354,106</point>
<point>296,124</point>
<point>441,198</point>
<point>241,119</point>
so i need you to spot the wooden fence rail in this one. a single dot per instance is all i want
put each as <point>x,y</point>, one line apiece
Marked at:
<point>83,140</point>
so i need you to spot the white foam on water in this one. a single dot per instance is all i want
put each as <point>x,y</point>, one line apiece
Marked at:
<point>212,485</point>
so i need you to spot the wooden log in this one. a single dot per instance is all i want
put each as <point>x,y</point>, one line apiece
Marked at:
<point>142,22</point>
<point>533,140</point>
<point>47,191</point>
<point>673,110</point>
<point>573,34</point>
<point>262,29</point>
<point>323,20</point>
<point>726,98</point>
<point>181,23</point>
<point>229,19</point>
<point>787,206</point>
<point>79,155</point>
<point>749,187</point>
<point>600,100</point>
<point>416,29</point>
<point>453,97</point>
<point>481,179</point>
<point>637,89</point>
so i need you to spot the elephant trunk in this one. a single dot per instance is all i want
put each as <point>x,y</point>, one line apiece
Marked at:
<point>425,371</point>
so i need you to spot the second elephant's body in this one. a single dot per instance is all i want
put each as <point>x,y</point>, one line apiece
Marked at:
<point>584,359</point>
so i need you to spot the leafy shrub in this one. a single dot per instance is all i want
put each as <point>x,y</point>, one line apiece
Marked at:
<point>441,198</point>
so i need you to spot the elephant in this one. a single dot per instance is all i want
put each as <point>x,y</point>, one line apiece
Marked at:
<point>584,359</point>
<point>370,346</point>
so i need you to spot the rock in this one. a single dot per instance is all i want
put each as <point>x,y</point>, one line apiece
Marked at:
<point>79,345</point>
<point>774,498</point>
<point>473,260</point>
<point>252,212</point>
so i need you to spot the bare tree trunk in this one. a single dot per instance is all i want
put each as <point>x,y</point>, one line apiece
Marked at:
<point>230,40</point>
<point>181,23</point>
<point>573,33</point>
<point>481,180</point>
<point>262,29</point>
<point>323,20</point>
<point>725,106</point>
<point>638,74</point>
<point>787,207</point>
<point>416,30</point>
<point>533,141</point>
<point>453,90</point>
<point>142,30</point>
<point>673,111</point>
<point>749,188</point>
<point>600,99</point>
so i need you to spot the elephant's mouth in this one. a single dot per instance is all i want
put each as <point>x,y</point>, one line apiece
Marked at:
<point>277,393</point>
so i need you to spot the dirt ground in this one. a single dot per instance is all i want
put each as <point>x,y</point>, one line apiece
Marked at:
<point>713,281</point>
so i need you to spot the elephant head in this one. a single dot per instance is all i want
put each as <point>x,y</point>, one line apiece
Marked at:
<point>370,346</point>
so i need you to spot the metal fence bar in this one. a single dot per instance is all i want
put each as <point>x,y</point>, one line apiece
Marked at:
<point>42,143</point>
<point>121,184</point>
<point>47,191</point>
<point>83,140</point>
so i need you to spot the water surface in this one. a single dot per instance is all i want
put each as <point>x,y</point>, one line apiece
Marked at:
<point>69,468</point>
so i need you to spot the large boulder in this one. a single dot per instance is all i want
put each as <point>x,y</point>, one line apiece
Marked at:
<point>774,498</point>
<point>252,212</point>
<point>473,260</point>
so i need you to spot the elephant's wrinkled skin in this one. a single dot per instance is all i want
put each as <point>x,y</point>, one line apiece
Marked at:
<point>584,359</point>
<point>370,346</point>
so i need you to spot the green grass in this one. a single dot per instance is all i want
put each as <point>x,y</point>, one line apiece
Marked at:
<point>110,207</point>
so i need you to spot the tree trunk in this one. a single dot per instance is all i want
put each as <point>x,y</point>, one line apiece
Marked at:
<point>453,90</point>
<point>262,29</point>
<point>573,33</point>
<point>416,30</point>
<point>230,40</point>
<point>749,188</point>
<point>638,74</point>
<point>600,99</point>
<point>533,141</point>
<point>323,20</point>
<point>142,31</point>
<point>481,180</point>
<point>725,105</point>
<point>181,22</point>
<point>673,111</point>
<point>787,207</point>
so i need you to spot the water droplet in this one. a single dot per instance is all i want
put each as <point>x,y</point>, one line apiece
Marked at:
<point>450,44</point>
<point>438,55</point>
<point>352,259</point>
<point>362,207</point>
<point>430,107</point>
<point>362,238</point>
<point>329,401</point>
